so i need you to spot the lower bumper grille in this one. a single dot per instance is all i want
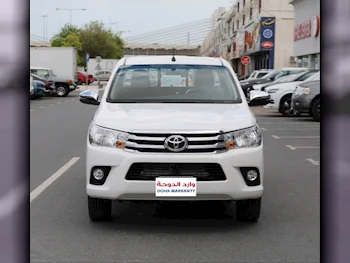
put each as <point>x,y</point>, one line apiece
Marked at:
<point>149,171</point>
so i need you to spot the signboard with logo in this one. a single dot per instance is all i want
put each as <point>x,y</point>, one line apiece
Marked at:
<point>267,38</point>
<point>309,28</point>
<point>252,38</point>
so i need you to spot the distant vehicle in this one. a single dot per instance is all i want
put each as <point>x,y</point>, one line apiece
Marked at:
<point>289,78</point>
<point>257,74</point>
<point>306,99</point>
<point>62,60</point>
<point>269,77</point>
<point>81,76</point>
<point>64,85</point>
<point>103,75</point>
<point>49,84</point>
<point>39,89</point>
<point>281,96</point>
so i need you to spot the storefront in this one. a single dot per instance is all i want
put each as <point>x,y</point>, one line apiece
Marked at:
<point>259,44</point>
<point>307,33</point>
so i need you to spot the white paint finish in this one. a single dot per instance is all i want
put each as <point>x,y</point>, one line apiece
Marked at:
<point>293,148</point>
<point>290,147</point>
<point>312,161</point>
<point>37,191</point>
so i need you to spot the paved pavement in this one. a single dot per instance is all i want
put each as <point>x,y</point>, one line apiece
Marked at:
<point>288,231</point>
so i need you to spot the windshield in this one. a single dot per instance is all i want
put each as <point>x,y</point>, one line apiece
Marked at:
<point>285,79</point>
<point>315,76</point>
<point>52,73</point>
<point>269,74</point>
<point>173,84</point>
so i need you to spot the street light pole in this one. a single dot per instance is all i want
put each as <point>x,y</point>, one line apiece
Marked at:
<point>70,12</point>
<point>45,28</point>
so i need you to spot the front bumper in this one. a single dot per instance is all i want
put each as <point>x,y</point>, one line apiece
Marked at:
<point>116,187</point>
<point>301,104</point>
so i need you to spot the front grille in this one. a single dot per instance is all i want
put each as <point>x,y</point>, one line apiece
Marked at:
<point>197,143</point>
<point>149,171</point>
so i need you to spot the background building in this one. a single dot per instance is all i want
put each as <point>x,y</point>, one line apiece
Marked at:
<point>260,29</point>
<point>307,33</point>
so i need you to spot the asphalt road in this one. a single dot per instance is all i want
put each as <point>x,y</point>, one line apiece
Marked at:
<point>288,230</point>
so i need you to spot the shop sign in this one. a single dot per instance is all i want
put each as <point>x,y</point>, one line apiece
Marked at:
<point>251,37</point>
<point>267,36</point>
<point>307,29</point>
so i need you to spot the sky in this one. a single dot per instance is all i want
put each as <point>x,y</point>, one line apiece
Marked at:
<point>136,16</point>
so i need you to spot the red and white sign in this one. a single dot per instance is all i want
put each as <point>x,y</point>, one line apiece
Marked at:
<point>245,60</point>
<point>315,26</point>
<point>307,29</point>
<point>176,187</point>
<point>267,44</point>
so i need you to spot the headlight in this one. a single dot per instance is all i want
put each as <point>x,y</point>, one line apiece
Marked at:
<point>99,136</point>
<point>272,90</point>
<point>305,91</point>
<point>250,137</point>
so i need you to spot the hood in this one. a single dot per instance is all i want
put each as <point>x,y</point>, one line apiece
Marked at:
<point>286,85</point>
<point>170,118</point>
<point>254,81</point>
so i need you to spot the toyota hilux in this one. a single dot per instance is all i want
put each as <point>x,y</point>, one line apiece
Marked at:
<point>174,128</point>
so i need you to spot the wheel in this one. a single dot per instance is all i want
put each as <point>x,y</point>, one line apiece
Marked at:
<point>99,209</point>
<point>80,82</point>
<point>316,110</point>
<point>62,91</point>
<point>248,210</point>
<point>286,107</point>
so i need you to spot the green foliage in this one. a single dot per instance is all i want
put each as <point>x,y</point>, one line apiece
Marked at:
<point>92,39</point>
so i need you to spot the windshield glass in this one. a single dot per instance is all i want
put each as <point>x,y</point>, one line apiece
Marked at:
<point>173,84</point>
<point>269,74</point>
<point>52,73</point>
<point>284,79</point>
<point>315,76</point>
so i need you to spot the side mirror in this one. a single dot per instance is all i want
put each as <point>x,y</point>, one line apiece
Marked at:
<point>258,98</point>
<point>272,78</point>
<point>90,97</point>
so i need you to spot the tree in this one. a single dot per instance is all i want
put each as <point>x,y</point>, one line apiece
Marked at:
<point>98,41</point>
<point>92,39</point>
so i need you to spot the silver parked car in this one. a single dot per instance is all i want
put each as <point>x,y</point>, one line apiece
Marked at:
<point>306,99</point>
<point>103,75</point>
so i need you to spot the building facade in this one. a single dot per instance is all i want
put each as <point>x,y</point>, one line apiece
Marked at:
<point>307,33</point>
<point>262,30</point>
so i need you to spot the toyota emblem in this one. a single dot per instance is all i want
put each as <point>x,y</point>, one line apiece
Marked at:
<point>176,143</point>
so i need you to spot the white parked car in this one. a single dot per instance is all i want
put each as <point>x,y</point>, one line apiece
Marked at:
<point>281,96</point>
<point>166,140</point>
<point>257,74</point>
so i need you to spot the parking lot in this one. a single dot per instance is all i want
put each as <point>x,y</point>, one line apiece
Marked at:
<point>288,230</point>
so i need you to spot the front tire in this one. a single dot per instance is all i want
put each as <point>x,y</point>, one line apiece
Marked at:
<point>62,91</point>
<point>286,107</point>
<point>316,110</point>
<point>99,209</point>
<point>80,82</point>
<point>248,210</point>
